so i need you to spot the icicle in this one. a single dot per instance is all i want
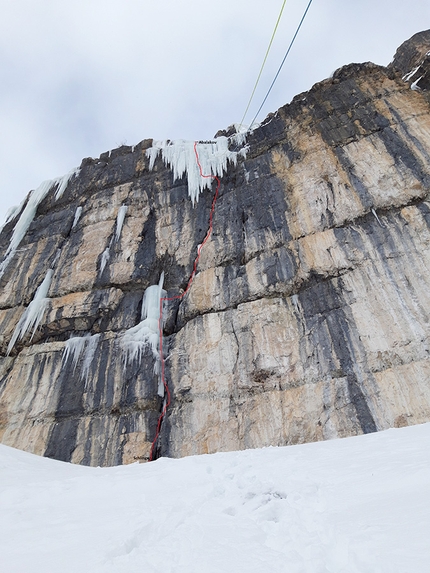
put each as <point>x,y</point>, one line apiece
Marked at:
<point>90,351</point>
<point>78,214</point>
<point>120,221</point>
<point>151,300</point>
<point>146,333</point>
<point>180,156</point>
<point>74,348</point>
<point>24,222</point>
<point>415,85</point>
<point>62,182</point>
<point>105,259</point>
<point>57,258</point>
<point>33,314</point>
<point>27,216</point>
<point>376,217</point>
<point>12,212</point>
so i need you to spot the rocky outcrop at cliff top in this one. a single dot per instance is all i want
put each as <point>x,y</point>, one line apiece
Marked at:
<point>308,317</point>
<point>412,59</point>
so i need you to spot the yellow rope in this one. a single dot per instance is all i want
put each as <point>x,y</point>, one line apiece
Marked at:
<point>262,65</point>
<point>282,63</point>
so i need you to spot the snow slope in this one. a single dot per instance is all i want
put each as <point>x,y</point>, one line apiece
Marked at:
<point>353,505</point>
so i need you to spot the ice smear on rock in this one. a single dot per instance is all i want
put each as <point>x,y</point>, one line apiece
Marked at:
<point>27,216</point>
<point>120,221</point>
<point>33,314</point>
<point>180,156</point>
<point>147,332</point>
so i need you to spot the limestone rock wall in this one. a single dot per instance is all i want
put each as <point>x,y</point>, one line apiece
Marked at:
<point>308,318</point>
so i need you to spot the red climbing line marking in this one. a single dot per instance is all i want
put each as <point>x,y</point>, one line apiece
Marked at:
<point>179,297</point>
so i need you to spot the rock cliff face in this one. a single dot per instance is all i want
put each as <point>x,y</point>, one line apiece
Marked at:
<point>308,317</point>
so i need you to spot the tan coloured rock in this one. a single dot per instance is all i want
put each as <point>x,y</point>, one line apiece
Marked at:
<point>308,317</point>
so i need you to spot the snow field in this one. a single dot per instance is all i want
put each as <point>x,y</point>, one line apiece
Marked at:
<point>356,505</point>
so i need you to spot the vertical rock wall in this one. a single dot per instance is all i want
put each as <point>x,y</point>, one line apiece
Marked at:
<point>308,318</point>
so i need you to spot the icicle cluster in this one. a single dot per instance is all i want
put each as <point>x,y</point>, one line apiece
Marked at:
<point>239,138</point>
<point>33,314</point>
<point>147,332</point>
<point>73,349</point>
<point>213,156</point>
<point>27,216</point>
<point>77,345</point>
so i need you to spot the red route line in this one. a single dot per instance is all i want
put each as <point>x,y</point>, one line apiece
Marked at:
<point>179,297</point>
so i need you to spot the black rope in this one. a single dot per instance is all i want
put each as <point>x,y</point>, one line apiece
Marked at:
<point>282,63</point>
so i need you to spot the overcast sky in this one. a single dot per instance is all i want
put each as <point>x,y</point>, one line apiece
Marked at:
<point>80,77</point>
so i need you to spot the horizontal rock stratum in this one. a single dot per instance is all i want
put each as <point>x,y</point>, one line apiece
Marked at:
<point>308,316</point>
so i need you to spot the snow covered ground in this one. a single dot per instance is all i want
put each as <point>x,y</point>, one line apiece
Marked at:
<point>353,505</point>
